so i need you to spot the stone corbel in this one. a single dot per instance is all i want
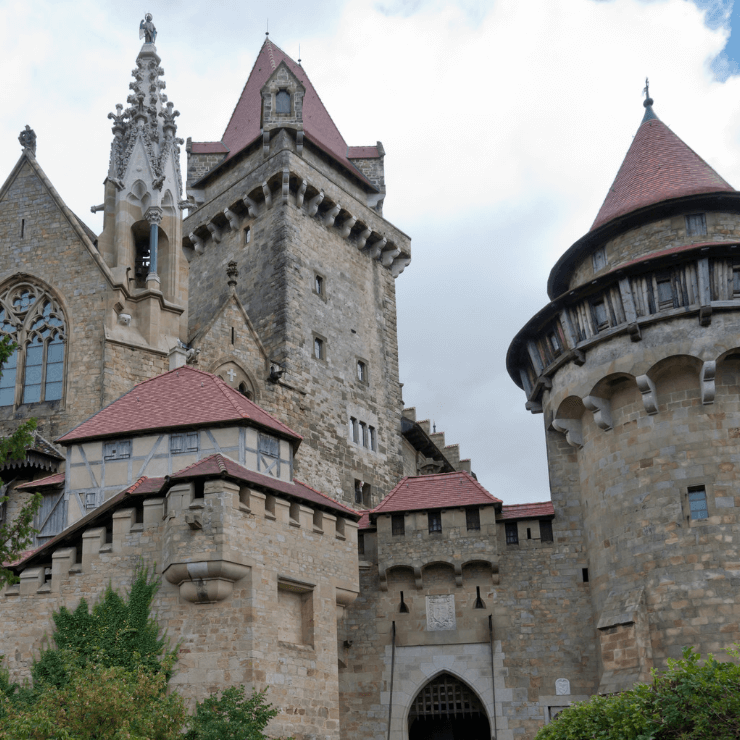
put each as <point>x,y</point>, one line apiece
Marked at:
<point>602,411</point>
<point>376,248</point>
<point>265,142</point>
<point>251,206</point>
<point>286,185</point>
<point>315,202</point>
<point>458,574</point>
<point>299,142</point>
<point>495,575</point>
<point>207,581</point>
<point>215,231</point>
<point>399,265</point>
<point>386,259</point>
<point>301,193</point>
<point>363,237</point>
<point>344,596</point>
<point>383,579</point>
<point>649,394</point>
<point>198,244</point>
<point>706,382</point>
<point>331,214</point>
<point>417,577</point>
<point>267,193</point>
<point>347,226</point>
<point>571,428</point>
<point>232,218</point>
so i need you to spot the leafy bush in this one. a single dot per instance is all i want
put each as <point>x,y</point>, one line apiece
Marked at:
<point>689,701</point>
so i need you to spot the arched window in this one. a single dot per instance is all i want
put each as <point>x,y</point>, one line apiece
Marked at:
<point>282,102</point>
<point>34,320</point>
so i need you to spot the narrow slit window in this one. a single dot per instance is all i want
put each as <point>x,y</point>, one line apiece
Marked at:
<point>23,227</point>
<point>318,285</point>
<point>584,574</point>
<point>233,335</point>
<point>364,436</point>
<point>355,430</point>
<point>698,508</point>
<point>373,439</point>
<point>318,348</point>
<point>360,543</point>
<point>358,491</point>
<point>248,235</point>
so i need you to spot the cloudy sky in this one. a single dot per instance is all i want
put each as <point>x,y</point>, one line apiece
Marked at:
<point>504,123</point>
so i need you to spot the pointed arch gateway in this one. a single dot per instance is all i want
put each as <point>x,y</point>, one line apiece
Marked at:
<point>447,709</point>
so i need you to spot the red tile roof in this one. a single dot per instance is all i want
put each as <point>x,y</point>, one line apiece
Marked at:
<point>658,166</point>
<point>221,465</point>
<point>244,127</point>
<point>365,522</point>
<point>527,511</point>
<point>208,147</point>
<point>51,480</point>
<point>185,397</point>
<point>440,491</point>
<point>363,152</point>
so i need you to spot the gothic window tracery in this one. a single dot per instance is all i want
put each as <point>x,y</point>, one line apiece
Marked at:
<point>33,320</point>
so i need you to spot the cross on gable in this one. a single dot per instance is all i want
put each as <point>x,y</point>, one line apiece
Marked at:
<point>231,374</point>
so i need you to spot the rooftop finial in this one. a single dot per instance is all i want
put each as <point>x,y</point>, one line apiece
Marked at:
<point>232,273</point>
<point>267,28</point>
<point>147,30</point>
<point>299,53</point>
<point>27,139</point>
<point>646,92</point>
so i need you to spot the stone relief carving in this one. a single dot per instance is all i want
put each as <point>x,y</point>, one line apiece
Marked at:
<point>441,612</point>
<point>562,687</point>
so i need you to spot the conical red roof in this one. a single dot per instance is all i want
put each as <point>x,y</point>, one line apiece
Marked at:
<point>658,167</point>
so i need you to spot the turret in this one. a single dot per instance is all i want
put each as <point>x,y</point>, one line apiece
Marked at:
<point>634,366</point>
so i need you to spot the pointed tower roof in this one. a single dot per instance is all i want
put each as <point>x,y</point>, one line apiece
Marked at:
<point>658,166</point>
<point>244,127</point>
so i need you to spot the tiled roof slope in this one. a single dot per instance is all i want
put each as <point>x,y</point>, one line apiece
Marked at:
<point>440,491</point>
<point>185,397</point>
<point>49,482</point>
<point>244,127</point>
<point>527,511</point>
<point>658,166</point>
<point>221,465</point>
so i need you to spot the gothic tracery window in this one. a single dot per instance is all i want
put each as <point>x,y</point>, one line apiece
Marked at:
<point>35,322</point>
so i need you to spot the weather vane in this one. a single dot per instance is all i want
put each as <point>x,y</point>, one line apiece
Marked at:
<point>646,92</point>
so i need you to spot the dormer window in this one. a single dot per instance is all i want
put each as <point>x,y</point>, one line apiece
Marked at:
<point>282,102</point>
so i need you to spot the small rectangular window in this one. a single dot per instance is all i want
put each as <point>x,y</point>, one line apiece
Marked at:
<point>365,437</point>
<point>696,224</point>
<point>599,259</point>
<point>736,279</point>
<point>600,316</point>
<point>318,348</point>
<point>360,543</point>
<point>358,491</point>
<point>318,285</point>
<point>555,344</point>
<point>665,291</point>
<point>91,501</point>
<point>269,446</point>
<point>354,429</point>
<point>180,443</point>
<point>398,525</point>
<point>119,450</point>
<point>472,519</point>
<point>361,371</point>
<point>373,439</point>
<point>584,574</point>
<point>698,503</point>
<point>545,530</point>
<point>435,521</point>
<point>247,235</point>
<point>512,533</point>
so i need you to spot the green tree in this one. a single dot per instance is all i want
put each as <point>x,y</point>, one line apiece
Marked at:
<point>689,701</point>
<point>17,535</point>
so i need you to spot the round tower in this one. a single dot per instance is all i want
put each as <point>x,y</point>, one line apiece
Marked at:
<point>635,366</point>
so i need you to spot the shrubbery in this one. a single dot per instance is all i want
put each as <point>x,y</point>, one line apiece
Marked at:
<point>690,701</point>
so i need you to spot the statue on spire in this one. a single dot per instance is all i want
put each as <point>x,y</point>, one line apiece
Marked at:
<point>147,30</point>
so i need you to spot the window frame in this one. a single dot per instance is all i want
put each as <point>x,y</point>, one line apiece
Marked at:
<point>290,102</point>
<point>40,324</point>
<point>434,520</point>
<point>362,371</point>
<point>398,525</point>
<point>472,513</point>
<point>690,229</point>
<point>511,533</point>
<point>318,278</point>
<point>319,343</point>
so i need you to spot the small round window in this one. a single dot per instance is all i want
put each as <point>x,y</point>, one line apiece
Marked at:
<point>282,102</point>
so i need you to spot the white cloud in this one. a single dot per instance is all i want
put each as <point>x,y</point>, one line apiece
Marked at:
<point>504,124</point>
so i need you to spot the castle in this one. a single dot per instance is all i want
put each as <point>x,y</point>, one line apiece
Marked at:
<point>219,395</point>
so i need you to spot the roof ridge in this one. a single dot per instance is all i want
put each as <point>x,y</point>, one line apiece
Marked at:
<point>196,463</point>
<point>135,485</point>
<point>530,503</point>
